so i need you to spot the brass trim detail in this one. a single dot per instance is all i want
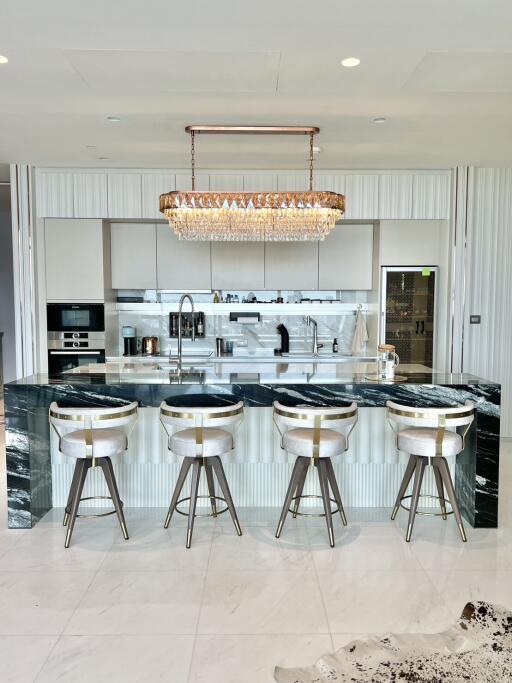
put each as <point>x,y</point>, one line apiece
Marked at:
<point>205,416</point>
<point>431,416</point>
<point>312,514</point>
<point>254,130</point>
<point>428,514</point>
<point>209,514</point>
<point>304,416</point>
<point>441,429</point>
<point>81,417</point>
<point>171,201</point>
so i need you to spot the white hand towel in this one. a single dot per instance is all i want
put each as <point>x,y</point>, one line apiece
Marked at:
<point>360,335</point>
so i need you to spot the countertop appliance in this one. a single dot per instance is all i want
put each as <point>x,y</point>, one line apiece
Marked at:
<point>285,339</point>
<point>150,346</point>
<point>76,335</point>
<point>129,340</point>
<point>408,312</point>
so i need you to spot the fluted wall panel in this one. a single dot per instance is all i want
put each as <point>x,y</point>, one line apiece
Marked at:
<point>258,470</point>
<point>486,350</point>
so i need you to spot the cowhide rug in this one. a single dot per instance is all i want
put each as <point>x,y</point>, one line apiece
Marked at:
<point>477,649</point>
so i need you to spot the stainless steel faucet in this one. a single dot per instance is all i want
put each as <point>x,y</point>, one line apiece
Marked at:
<point>180,335</point>
<point>312,322</point>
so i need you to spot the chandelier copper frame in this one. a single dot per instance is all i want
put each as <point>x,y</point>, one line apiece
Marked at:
<point>307,215</point>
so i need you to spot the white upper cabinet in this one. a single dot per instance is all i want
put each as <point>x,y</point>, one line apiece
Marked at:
<point>260,182</point>
<point>291,265</point>
<point>184,181</point>
<point>224,182</point>
<point>74,260</point>
<point>90,195</point>
<point>153,185</point>
<point>361,196</point>
<point>346,258</point>
<point>395,196</point>
<point>294,182</point>
<point>124,195</point>
<point>54,195</point>
<point>238,265</point>
<point>181,264</point>
<point>133,255</point>
<point>431,196</point>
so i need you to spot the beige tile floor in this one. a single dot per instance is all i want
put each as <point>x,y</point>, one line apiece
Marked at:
<point>229,609</point>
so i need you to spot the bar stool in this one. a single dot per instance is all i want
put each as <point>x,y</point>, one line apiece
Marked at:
<point>428,441</point>
<point>91,436</point>
<point>201,440</point>
<point>303,434</point>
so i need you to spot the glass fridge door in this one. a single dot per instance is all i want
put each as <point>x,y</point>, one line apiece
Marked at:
<point>409,313</point>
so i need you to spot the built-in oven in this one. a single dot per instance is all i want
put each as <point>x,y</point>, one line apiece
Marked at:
<point>60,361</point>
<point>73,317</point>
<point>76,336</point>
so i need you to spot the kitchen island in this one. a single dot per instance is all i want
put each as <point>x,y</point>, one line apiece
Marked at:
<point>29,457</point>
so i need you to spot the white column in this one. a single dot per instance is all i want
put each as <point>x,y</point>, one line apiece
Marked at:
<point>23,267</point>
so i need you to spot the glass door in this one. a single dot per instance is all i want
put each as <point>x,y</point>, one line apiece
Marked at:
<point>408,313</point>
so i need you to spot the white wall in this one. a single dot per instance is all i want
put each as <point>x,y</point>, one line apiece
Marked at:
<point>7,286</point>
<point>486,349</point>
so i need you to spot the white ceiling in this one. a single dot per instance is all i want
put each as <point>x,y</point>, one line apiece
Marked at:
<point>439,70</point>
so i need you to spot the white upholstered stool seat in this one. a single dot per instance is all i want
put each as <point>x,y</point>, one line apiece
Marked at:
<point>105,443</point>
<point>214,442</point>
<point>92,435</point>
<point>300,442</point>
<point>429,436</point>
<point>422,441</point>
<point>202,423</point>
<point>314,434</point>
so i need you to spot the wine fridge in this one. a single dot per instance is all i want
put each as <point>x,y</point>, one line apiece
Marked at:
<point>408,312</point>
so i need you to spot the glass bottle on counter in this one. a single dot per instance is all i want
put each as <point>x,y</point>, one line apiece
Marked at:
<point>335,345</point>
<point>216,298</point>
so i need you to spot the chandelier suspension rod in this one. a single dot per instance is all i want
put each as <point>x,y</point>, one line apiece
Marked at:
<point>253,130</point>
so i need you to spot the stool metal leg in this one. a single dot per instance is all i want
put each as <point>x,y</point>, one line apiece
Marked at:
<point>409,471</point>
<point>187,464</point>
<point>223,482</point>
<point>324,488</point>
<point>110,478</point>
<point>335,489</point>
<point>304,467</point>
<point>419,470</point>
<point>196,473</point>
<point>448,484</point>
<point>292,487</point>
<point>440,488</point>
<point>74,483</point>
<point>211,488</point>
<point>84,465</point>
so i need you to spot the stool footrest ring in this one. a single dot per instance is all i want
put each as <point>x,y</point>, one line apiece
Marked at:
<point>209,514</point>
<point>429,514</point>
<point>311,514</point>
<point>103,514</point>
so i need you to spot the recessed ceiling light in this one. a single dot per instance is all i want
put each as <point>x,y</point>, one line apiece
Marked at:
<point>90,146</point>
<point>113,119</point>
<point>103,158</point>
<point>3,60</point>
<point>350,61</point>
<point>379,119</point>
<point>317,150</point>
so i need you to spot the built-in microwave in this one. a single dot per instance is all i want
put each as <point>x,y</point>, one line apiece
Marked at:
<point>71,317</point>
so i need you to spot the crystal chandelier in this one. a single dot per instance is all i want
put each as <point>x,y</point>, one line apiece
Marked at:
<point>252,216</point>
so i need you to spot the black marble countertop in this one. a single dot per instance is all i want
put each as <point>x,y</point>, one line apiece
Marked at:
<point>276,374</point>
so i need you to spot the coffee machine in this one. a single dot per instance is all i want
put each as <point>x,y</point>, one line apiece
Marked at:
<point>130,340</point>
